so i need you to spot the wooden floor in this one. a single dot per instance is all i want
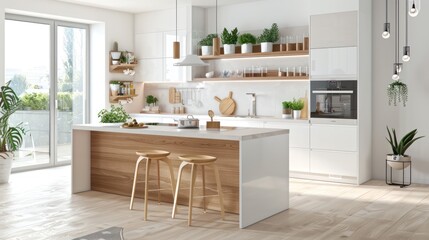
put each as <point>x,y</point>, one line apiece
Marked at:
<point>38,205</point>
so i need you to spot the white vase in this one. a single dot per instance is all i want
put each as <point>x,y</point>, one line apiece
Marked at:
<point>247,48</point>
<point>296,114</point>
<point>206,50</point>
<point>396,161</point>
<point>266,47</point>
<point>5,166</point>
<point>114,88</point>
<point>228,48</point>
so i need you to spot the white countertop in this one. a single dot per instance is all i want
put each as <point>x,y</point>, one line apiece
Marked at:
<point>227,133</point>
<point>220,118</point>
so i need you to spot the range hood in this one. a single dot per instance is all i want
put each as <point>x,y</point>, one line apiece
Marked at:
<point>191,60</point>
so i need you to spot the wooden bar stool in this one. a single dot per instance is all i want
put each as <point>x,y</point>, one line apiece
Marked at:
<point>148,156</point>
<point>195,161</point>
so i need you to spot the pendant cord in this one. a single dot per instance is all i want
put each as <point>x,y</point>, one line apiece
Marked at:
<point>396,31</point>
<point>387,7</point>
<point>406,24</point>
<point>176,20</point>
<point>216,17</point>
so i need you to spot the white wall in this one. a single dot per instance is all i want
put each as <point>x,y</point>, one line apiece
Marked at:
<point>414,74</point>
<point>106,27</point>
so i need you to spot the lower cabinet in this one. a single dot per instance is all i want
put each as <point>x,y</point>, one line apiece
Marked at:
<point>299,159</point>
<point>334,163</point>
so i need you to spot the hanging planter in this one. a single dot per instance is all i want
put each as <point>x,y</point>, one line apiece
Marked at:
<point>397,92</point>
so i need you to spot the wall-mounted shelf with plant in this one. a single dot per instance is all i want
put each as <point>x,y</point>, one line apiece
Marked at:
<point>121,90</point>
<point>120,61</point>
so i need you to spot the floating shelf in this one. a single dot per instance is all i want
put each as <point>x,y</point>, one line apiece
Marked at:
<point>301,78</point>
<point>115,99</point>
<point>257,55</point>
<point>121,67</point>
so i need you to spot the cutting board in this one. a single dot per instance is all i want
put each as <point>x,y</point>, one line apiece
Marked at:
<point>226,105</point>
<point>172,95</point>
<point>304,111</point>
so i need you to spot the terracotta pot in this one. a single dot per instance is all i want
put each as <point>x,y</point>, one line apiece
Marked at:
<point>396,161</point>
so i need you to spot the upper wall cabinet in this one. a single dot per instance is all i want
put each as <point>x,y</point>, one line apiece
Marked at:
<point>334,63</point>
<point>334,30</point>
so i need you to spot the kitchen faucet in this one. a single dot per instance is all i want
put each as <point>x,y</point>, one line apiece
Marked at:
<point>252,111</point>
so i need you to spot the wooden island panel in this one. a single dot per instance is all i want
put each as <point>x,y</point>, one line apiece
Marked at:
<point>113,162</point>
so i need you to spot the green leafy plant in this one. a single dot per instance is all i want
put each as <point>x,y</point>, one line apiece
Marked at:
<point>269,35</point>
<point>35,101</point>
<point>229,37</point>
<point>404,144</point>
<point>246,38</point>
<point>115,115</point>
<point>208,40</point>
<point>65,101</point>
<point>297,104</point>
<point>397,91</point>
<point>115,82</point>
<point>151,100</point>
<point>287,105</point>
<point>11,137</point>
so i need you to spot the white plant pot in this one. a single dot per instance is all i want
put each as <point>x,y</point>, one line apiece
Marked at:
<point>287,116</point>
<point>206,50</point>
<point>266,47</point>
<point>395,161</point>
<point>247,48</point>
<point>114,88</point>
<point>115,55</point>
<point>296,114</point>
<point>228,48</point>
<point>5,166</point>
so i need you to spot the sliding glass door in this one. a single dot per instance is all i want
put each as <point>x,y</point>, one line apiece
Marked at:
<point>45,62</point>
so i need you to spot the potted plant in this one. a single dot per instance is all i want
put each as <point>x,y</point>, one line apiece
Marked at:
<point>397,91</point>
<point>151,104</point>
<point>399,148</point>
<point>11,137</point>
<point>246,40</point>
<point>229,39</point>
<point>114,115</point>
<point>268,37</point>
<point>207,44</point>
<point>297,106</point>
<point>287,109</point>
<point>114,87</point>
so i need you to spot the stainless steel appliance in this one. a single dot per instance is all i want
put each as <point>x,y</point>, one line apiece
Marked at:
<point>188,122</point>
<point>334,99</point>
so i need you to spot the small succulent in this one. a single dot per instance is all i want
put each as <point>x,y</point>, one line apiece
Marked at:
<point>397,91</point>
<point>246,38</point>
<point>270,35</point>
<point>229,37</point>
<point>208,40</point>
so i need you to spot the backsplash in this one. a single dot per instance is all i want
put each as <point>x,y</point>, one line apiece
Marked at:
<point>198,98</point>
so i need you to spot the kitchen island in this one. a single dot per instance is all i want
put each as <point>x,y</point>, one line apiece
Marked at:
<point>253,164</point>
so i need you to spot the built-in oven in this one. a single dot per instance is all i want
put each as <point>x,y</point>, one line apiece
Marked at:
<point>334,99</point>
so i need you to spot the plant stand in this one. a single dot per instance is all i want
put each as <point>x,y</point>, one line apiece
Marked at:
<point>390,181</point>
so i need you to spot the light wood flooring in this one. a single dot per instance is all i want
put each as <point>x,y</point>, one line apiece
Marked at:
<point>38,205</point>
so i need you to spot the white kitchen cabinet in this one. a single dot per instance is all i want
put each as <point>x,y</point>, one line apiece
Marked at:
<point>149,70</point>
<point>334,137</point>
<point>299,134</point>
<point>299,159</point>
<point>149,45</point>
<point>334,30</point>
<point>334,163</point>
<point>334,63</point>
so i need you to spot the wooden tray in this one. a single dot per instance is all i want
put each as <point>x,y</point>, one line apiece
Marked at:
<point>144,126</point>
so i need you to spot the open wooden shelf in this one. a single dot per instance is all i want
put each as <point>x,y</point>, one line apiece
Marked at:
<point>300,78</point>
<point>257,55</point>
<point>115,99</point>
<point>119,68</point>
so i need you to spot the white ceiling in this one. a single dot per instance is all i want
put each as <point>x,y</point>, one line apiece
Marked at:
<point>138,6</point>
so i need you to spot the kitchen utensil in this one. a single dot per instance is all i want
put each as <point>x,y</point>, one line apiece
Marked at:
<point>172,95</point>
<point>226,105</point>
<point>178,97</point>
<point>211,115</point>
<point>188,122</point>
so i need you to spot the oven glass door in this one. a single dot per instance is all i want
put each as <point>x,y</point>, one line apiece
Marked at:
<point>334,99</point>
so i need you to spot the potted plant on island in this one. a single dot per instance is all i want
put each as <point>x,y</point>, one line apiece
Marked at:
<point>297,106</point>
<point>207,44</point>
<point>397,91</point>
<point>11,137</point>
<point>114,87</point>
<point>287,109</point>
<point>114,115</point>
<point>399,148</point>
<point>246,40</point>
<point>229,39</point>
<point>268,37</point>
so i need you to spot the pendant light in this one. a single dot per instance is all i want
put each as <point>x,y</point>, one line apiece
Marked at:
<point>216,40</point>
<point>176,44</point>
<point>406,53</point>
<point>397,66</point>
<point>414,7</point>
<point>386,25</point>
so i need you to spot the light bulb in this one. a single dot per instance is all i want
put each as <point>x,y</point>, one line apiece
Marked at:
<point>395,77</point>
<point>385,35</point>
<point>405,58</point>
<point>406,54</point>
<point>413,10</point>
